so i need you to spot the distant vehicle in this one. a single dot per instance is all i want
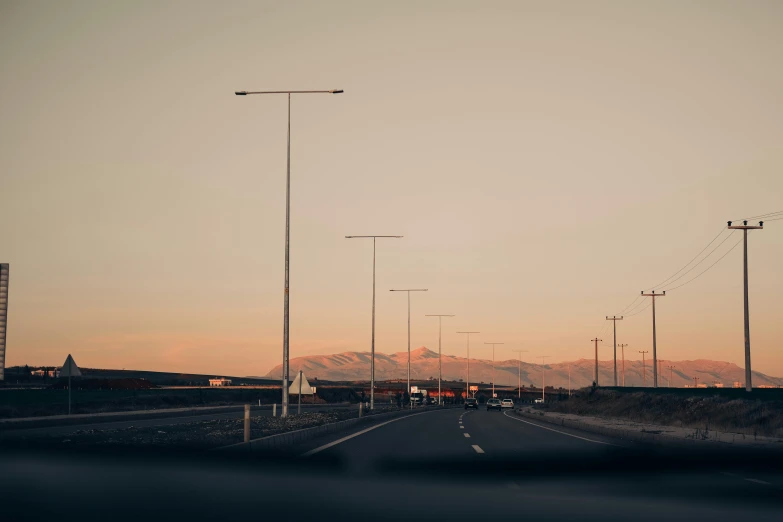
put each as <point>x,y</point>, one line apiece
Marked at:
<point>471,403</point>
<point>507,403</point>
<point>539,401</point>
<point>418,398</point>
<point>494,404</point>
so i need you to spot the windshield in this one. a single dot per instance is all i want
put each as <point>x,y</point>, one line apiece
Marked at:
<point>391,260</point>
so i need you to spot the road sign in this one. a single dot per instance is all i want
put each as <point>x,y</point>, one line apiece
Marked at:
<point>306,389</point>
<point>474,388</point>
<point>70,369</point>
<point>414,389</point>
<point>494,395</point>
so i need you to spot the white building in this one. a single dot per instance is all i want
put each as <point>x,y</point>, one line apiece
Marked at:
<point>222,381</point>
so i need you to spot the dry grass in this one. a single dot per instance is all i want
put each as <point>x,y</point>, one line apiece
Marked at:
<point>751,417</point>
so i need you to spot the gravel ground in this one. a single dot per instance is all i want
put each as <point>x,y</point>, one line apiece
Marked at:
<point>195,435</point>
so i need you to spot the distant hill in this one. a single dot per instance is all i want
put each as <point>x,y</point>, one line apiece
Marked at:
<point>352,366</point>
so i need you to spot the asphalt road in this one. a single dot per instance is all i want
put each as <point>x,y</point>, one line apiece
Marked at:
<point>453,433</point>
<point>432,465</point>
<point>263,411</point>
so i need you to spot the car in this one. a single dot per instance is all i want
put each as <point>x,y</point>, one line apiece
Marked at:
<point>506,403</point>
<point>471,403</point>
<point>539,401</point>
<point>494,404</point>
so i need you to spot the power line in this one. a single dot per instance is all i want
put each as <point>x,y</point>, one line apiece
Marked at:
<point>649,303</point>
<point>636,308</point>
<point>668,279</point>
<point>708,268</point>
<point>760,216</point>
<point>700,262</point>
<point>621,312</point>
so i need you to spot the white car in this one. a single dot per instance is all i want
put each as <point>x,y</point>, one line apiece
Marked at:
<point>507,403</point>
<point>539,401</point>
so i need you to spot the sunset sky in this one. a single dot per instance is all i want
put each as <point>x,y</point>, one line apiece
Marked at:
<point>544,161</point>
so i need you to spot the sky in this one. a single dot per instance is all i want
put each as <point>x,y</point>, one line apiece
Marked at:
<point>544,161</point>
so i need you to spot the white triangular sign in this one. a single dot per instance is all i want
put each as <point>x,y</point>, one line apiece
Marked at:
<point>70,369</point>
<point>306,389</point>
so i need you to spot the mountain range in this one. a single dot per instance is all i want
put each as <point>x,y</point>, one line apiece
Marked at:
<point>355,366</point>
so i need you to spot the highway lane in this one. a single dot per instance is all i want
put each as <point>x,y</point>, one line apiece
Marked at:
<point>262,411</point>
<point>453,433</point>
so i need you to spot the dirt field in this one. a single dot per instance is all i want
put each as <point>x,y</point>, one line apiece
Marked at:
<point>751,416</point>
<point>194,435</point>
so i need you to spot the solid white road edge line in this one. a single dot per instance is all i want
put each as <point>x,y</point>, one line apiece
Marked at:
<point>349,437</point>
<point>561,432</point>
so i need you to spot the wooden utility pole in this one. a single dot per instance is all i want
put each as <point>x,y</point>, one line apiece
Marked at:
<point>745,227</point>
<point>622,348</point>
<point>614,320</point>
<point>671,372</point>
<point>655,350</point>
<point>644,368</point>
<point>596,340</point>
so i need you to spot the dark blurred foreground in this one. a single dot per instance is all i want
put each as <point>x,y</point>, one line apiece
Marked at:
<point>652,484</point>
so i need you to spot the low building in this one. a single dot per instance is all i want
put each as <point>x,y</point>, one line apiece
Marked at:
<point>221,381</point>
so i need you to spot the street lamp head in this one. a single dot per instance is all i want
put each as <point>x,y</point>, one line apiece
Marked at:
<point>336,91</point>
<point>241,93</point>
<point>761,223</point>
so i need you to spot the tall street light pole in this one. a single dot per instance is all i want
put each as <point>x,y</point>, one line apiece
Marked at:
<point>614,320</point>
<point>745,227</point>
<point>467,377</point>
<point>409,329</point>
<point>287,231</point>
<point>519,373</point>
<point>493,367</point>
<point>372,346</point>
<point>440,368</point>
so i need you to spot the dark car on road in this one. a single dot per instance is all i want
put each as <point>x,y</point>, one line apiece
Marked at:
<point>494,404</point>
<point>471,403</point>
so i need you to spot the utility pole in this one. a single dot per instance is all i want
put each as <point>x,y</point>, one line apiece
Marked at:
<point>569,380</point>
<point>372,344</point>
<point>519,372</point>
<point>543,371</point>
<point>622,348</point>
<point>596,340</point>
<point>644,368</point>
<point>493,367</point>
<point>467,378</point>
<point>655,351</point>
<point>409,329</point>
<point>440,368</point>
<point>745,227</point>
<point>614,320</point>
<point>671,372</point>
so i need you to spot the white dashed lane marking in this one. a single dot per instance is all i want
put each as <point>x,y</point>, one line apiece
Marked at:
<point>757,481</point>
<point>478,449</point>
<point>467,435</point>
